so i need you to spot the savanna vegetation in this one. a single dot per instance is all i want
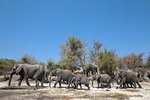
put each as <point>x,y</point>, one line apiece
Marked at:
<point>76,54</point>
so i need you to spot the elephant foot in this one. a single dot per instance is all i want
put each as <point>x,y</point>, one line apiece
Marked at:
<point>42,86</point>
<point>54,86</point>
<point>35,88</point>
<point>140,86</point>
<point>121,88</point>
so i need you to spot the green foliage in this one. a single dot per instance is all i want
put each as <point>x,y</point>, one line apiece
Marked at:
<point>108,61</point>
<point>90,66</point>
<point>6,65</point>
<point>103,58</point>
<point>56,66</point>
<point>73,53</point>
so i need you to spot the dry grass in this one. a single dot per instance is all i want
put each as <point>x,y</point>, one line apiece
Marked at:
<point>118,96</point>
<point>111,95</point>
<point>136,96</point>
<point>132,90</point>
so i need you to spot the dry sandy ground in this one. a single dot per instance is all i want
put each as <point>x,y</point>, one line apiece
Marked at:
<point>28,93</point>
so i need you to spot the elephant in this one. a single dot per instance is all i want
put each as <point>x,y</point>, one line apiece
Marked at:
<point>79,80</point>
<point>125,84</point>
<point>35,72</point>
<point>62,75</point>
<point>141,72</point>
<point>94,70</point>
<point>104,79</point>
<point>87,70</point>
<point>127,77</point>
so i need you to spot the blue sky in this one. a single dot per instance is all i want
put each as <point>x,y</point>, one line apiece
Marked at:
<point>38,27</point>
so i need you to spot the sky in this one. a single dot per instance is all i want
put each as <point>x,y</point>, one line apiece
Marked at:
<point>39,27</point>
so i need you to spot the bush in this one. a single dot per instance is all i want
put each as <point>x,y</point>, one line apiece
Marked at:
<point>6,65</point>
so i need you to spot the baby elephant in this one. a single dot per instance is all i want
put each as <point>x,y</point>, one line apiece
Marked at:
<point>78,80</point>
<point>103,79</point>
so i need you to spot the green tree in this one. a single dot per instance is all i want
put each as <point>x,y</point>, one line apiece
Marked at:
<point>73,53</point>
<point>6,65</point>
<point>103,58</point>
<point>108,61</point>
<point>95,53</point>
<point>50,64</point>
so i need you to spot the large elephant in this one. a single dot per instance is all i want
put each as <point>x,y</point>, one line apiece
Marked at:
<point>103,79</point>
<point>79,80</point>
<point>62,75</point>
<point>127,77</point>
<point>125,84</point>
<point>35,72</point>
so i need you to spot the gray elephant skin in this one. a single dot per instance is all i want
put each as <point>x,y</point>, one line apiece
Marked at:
<point>103,79</point>
<point>127,77</point>
<point>87,70</point>
<point>62,75</point>
<point>79,80</point>
<point>35,72</point>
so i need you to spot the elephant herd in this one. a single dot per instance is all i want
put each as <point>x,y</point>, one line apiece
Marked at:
<point>38,73</point>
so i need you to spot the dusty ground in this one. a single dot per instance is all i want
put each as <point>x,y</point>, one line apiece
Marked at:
<point>28,93</point>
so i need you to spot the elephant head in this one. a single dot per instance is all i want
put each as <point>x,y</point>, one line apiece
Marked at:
<point>120,75</point>
<point>53,73</point>
<point>15,70</point>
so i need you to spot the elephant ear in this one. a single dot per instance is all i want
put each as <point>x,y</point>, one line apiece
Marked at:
<point>18,70</point>
<point>123,74</point>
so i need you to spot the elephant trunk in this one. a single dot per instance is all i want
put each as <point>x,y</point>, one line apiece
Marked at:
<point>92,83</point>
<point>10,78</point>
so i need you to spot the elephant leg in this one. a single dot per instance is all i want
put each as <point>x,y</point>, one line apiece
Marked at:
<point>20,80</point>
<point>98,84</point>
<point>131,85</point>
<point>35,77</point>
<point>102,86</point>
<point>70,82</point>
<point>80,86</point>
<point>27,80</point>
<point>127,85</point>
<point>87,74</point>
<point>92,84</point>
<point>109,86</point>
<point>60,84</point>
<point>139,85</point>
<point>122,82</point>
<point>77,86</point>
<point>42,83</point>
<point>134,84</point>
<point>58,80</point>
<point>87,85</point>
